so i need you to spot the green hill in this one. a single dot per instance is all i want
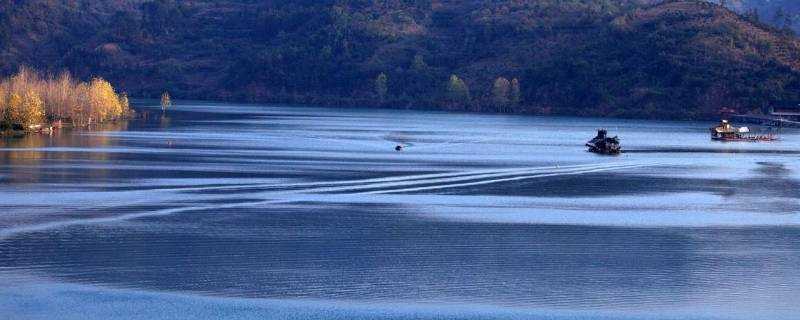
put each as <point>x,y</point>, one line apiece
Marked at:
<point>677,59</point>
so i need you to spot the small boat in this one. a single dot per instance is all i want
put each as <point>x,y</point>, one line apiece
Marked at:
<point>725,131</point>
<point>602,144</point>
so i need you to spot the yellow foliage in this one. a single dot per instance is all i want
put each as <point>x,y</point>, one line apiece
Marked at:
<point>32,112</point>
<point>2,102</point>
<point>14,109</point>
<point>27,99</point>
<point>79,111</point>
<point>166,101</point>
<point>103,101</point>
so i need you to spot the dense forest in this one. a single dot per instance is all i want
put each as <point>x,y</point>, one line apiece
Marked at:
<point>630,58</point>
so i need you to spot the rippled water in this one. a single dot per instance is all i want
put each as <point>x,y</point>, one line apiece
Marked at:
<point>242,211</point>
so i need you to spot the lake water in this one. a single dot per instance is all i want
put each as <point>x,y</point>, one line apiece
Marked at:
<point>275,212</point>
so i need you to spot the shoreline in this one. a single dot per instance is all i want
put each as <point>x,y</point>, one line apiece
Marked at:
<point>55,126</point>
<point>152,103</point>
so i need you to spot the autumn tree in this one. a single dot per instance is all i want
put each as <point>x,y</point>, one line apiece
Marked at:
<point>29,99</point>
<point>2,103</point>
<point>32,110</point>
<point>78,110</point>
<point>500,93</point>
<point>13,114</point>
<point>457,92</point>
<point>166,101</point>
<point>124,103</point>
<point>103,101</point>
<point>382,86</point>
<point>61,96</point>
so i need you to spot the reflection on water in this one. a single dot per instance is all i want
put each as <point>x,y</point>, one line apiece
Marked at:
<point>26,155</point>
<point>273,202</point>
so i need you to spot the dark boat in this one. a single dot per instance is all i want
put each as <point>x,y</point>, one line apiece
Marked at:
<point>602,144</point>
<point>725,131</point>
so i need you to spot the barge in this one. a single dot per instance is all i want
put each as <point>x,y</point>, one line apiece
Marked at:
<point>725,131</point>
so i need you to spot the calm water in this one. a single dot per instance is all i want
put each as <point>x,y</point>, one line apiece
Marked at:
<point>240,211</point>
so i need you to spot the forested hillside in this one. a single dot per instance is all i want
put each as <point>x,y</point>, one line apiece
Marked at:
<point>636,58</point>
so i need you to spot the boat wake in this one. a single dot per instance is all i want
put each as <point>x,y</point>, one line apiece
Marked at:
<point>337,191</point>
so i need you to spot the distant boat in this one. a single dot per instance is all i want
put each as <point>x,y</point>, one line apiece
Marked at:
<point>602,144</point>
<point>725,131</point>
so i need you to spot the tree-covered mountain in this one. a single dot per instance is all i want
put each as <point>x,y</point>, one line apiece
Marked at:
<point>641,58</point>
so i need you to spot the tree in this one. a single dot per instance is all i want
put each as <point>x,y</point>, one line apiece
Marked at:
<point>103,101</point>
<point>381,86</point>
<point>780,16</point>
<point>3,106</point>
<point>79,108</point>
<point>30,99</point>
<point>166,101</point>
<point>124,103</point>
<point>62,95</point>
<point>32,111</point>
<point>13,114</point>
<point>788,21</point>
<point>500,93</point>
<point>457,92</point>
<point>516,94</point>
<point>753,15</point>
